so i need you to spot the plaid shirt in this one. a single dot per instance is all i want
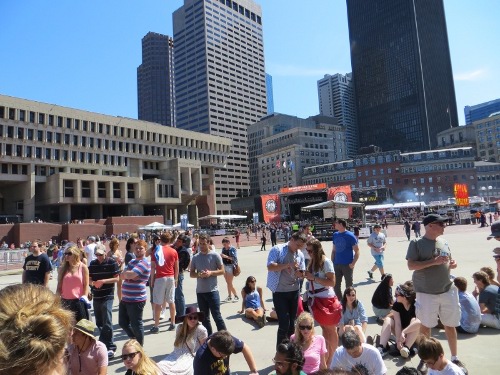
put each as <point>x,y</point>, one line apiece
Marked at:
<point>277,255</point>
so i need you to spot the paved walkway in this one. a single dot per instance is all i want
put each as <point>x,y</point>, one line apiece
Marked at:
<point>469,247</point>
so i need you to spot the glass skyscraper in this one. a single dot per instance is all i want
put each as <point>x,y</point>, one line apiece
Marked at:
<point>155,80</point>
<point>481,111</point>
<point>220,81</point>
<point>402,72</point>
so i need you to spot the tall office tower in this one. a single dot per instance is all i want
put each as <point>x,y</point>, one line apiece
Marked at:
<point>401,66</point>
<point>270,96</point>
<point>220,81</point>
<point>481,111</point>
<point>336,99</point>
<point>155,80</point>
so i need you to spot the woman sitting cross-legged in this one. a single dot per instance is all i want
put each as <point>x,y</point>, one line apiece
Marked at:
<point>190,335</point>
<point>402,322</point>
<point>252,303</point>
<point>353,314</point>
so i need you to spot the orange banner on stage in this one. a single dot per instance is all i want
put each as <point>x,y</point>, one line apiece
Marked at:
<point>461,192</point>
<point>270,207</point>
<point>340,193</point>
<point>298,189</point>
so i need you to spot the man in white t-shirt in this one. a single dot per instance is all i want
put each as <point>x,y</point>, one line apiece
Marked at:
<point>89,249</point>
<point>357,357</point>
<point>377,243</point>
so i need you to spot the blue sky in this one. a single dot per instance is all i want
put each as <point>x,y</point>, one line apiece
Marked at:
<point>85,54</point>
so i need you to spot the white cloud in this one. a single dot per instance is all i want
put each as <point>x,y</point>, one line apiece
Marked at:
<point>471,76</point>
<point>298,71</point>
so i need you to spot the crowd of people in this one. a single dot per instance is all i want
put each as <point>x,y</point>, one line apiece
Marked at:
<point>87,274</point>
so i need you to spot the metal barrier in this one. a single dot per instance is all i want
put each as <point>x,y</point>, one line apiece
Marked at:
<point>12,259</point>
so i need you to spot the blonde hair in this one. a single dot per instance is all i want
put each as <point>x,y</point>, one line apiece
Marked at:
<point>66,265</point>
<point>299,337</point>
<point>35,329</point>
<point>145,366</point>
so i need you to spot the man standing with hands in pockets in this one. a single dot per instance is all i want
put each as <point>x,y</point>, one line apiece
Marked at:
<point>345,254</point>
<point>437,297</point>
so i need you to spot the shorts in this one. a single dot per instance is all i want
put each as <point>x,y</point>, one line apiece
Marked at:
<point>164,290</point>
<point>445,306</point>
<point>381,313</point>
<point>228,268</point>
<point>379,260</point>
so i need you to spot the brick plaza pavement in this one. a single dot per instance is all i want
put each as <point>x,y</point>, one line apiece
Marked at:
<point>467,243</point>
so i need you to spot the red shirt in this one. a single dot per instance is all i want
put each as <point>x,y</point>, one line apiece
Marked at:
<point>167,269</point>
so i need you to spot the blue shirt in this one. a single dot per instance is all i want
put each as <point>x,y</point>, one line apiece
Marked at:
<point>277,255</point>
<point>344,242</point>
<point>471,312</point>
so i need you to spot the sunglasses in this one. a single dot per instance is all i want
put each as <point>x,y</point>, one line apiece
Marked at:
<point>128,356</point>
<point>308,328</point>
<point>252,281</point>
<point>68,254</point>
<point>192,317</point>
<point>99,255</point>
<point>351,295</point>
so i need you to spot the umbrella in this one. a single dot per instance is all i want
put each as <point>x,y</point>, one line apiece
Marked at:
<point>154,226</point>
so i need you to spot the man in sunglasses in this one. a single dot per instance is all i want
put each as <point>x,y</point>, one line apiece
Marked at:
<point>288,359</point>
<point>104,273</point>
<point>430,260</point>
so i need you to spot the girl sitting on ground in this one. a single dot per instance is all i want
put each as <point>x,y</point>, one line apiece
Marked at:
<point>382,299</point>
<point>353,314</point>
<point>252,302</point>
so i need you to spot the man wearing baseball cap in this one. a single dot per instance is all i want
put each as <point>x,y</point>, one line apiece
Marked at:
<point>437,296</point>
<point>495,231</point>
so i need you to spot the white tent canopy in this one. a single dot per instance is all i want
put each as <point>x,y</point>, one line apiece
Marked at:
<point>331,204</point>
<point>378,207</point>
<point>223,217</point>
<point>409,204</point>
<point>179,225</point>
<point>155,226</point>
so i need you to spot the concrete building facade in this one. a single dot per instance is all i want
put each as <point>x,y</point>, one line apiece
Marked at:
<point>60,164</point>
<point>155,80</point>
<point>281,146</point>
<point>220,81</point>
<point>488,138</point>
<point>336,99</point>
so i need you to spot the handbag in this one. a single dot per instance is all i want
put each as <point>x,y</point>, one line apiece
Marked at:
<point>326,311</point>
<point>236,270</point>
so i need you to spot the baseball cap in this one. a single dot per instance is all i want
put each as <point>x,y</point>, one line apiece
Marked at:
<point>377,226</point>
<point>91,238</point>
<point>100,250</point>
<point>495,230</point>
<point>434,218</point>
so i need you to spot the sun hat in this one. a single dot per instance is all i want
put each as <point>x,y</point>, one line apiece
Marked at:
<point>86,327</point>
<point>190,310</point>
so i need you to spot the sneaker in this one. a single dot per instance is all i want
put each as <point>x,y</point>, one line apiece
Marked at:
<point>236,299</point>
<point>260,322</point>
<point>461,365</point>
<point>422,367</point>
<point>154,329</point>
<point>269,319</point>
<point>228,299</point>
<point>405,352</point>
<point>377,341</point>
<point>369,340</point>
<point>380,321</point>
<point>382,351</point>
<point>370,274</point>
<point>162,314</point>
<point>171,327</point>
<point>111,354</point>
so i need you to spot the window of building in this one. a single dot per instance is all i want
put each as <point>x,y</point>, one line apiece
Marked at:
<point>69,189</point>
<point>85,189</point>
<point>101,189</point>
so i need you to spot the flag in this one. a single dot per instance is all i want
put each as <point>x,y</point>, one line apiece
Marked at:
<point>278,164</point>
<point>290,164</point>
<point>284,164</point>
<point>160,259</point>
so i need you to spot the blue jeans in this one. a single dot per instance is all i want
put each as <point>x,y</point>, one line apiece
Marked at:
<point>180,303</point>
<point>130,319</point>
<point>285,304</point>
<point>210,303</point>
<point>103,311</point>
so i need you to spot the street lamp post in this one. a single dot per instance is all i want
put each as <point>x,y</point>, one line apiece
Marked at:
<point>419,197</point>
